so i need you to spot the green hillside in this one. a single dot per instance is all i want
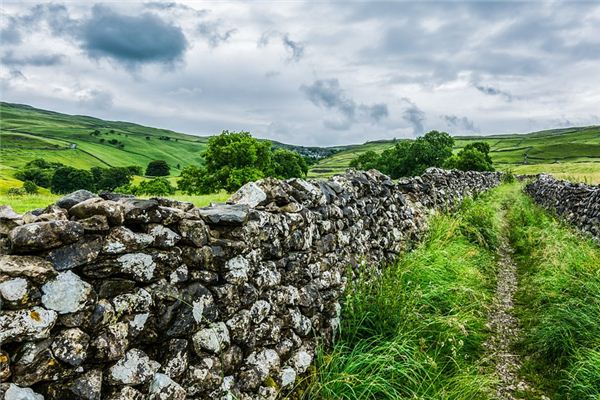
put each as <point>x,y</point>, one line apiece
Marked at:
<point>27,133</point>
<point>572,152</point>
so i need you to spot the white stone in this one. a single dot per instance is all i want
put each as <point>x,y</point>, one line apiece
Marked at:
<point>288,376</point>
<point>133,369</point>
<point>198,310</point>
<point>140,265</point>
<point>139,321</point>
<point>13,289</point>
<point>264,361</point>
<point>15,392</point>
<point>67,293</point>
<point>301,360</point>
<point>215,338</point>
<point>250,194</point>
<point>238,270</point>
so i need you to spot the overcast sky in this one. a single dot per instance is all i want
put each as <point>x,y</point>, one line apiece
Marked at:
<point>312,73</point>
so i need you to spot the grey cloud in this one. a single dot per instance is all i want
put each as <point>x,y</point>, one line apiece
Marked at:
<point>37,60</point>
<point>132,40</point>
<point>95,98</point>
<point>294,48</point>
<point>414,116</point>
<point>492,91</point>
<point>211,31</point>
<point>460,123</point>
<point>11,35</point>
<point>328,94</point>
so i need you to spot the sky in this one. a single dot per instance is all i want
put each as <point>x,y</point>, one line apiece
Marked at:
<point>311,73</point>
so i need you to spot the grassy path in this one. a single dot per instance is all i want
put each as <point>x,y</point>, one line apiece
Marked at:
<point>500,301</point>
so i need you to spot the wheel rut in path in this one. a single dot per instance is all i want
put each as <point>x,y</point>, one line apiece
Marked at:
<point>505,330</point>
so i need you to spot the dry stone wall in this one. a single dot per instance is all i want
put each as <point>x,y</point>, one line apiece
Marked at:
<point>577,203</point>
<point>121,298</point>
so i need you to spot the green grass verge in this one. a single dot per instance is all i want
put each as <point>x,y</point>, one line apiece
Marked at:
<point>417,331</point>
<point>558,303</point>
<point>29,202</point>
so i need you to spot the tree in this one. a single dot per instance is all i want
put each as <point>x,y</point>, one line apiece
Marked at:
<point>69,179</point>
<point>38,171</point>
<point>407,158</point>
<point>473,157</point>
<point>193,181</point>
<point>288,164</point>
<point>366,161</point>
<point>158,168</point>
<point>111,178</point>
<point>30,187</point>
<point>155,187</point>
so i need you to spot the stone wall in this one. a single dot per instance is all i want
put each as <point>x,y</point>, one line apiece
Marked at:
<point>122,298</point>
<point>577,203</point>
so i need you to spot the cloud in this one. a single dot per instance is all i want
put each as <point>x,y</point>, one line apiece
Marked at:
<point>492,91</point>
<point>37,60</point>
<point>414,116</point>
<point>328,94</point>
<point>95,98</point>
<point>131,40</point>
<point>295,49</point>
<point>211,31</point>
<point>460,123</point>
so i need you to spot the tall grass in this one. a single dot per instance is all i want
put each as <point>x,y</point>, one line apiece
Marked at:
<point>416,332</point>
<point>558,302</point>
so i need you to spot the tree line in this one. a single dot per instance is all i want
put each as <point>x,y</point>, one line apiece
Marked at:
<point>434,149</point>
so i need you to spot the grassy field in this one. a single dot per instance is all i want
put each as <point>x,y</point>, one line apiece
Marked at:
<point>558,303</point>
<point>417,332</point>
<point>568,153</point>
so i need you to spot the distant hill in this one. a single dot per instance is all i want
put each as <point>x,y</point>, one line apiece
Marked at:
<point>27,133</point>
<point>570,145</point>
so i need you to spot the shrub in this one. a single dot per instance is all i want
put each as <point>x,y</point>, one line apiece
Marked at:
<point>29,187</point>
<point>157,168</point>
<point>155,187</point>
<point>15,191</point>
<point>69,179</point>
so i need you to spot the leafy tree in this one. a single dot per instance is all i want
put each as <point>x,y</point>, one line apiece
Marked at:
<point>288,164</point>
<point>366,161</point>
<point>155,187</point>
<point>409,158</point>
<point>473,157</point>
<point>15,191</point>
<point>158,168</point>
<point>135,169</point>
<point>69,179</point>
<point>111,178</point>
<point>38,171</point>
<point>194,180</point>
<point>30,187</point>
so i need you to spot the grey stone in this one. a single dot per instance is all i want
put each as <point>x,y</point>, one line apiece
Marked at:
<point>113,211</point>
<point>122,240</point>
<point>194,232</point>
<point>88,386</point>
<point>70,346</point>
<point>225,214</point>
<point>44,235</point>
<point>95,224</point>
<point>31,324</point>
<point>15,392</point>
<point>76,254</point>
<point>71,199</point>
<point>251,194</point>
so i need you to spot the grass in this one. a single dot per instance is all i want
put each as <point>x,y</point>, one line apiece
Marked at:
<point>416,332</point>
<point>558,303</point>
<point>29,202</point>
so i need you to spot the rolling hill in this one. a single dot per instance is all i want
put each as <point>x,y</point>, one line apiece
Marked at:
<point>572,152</point>
<point>27,133</point>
